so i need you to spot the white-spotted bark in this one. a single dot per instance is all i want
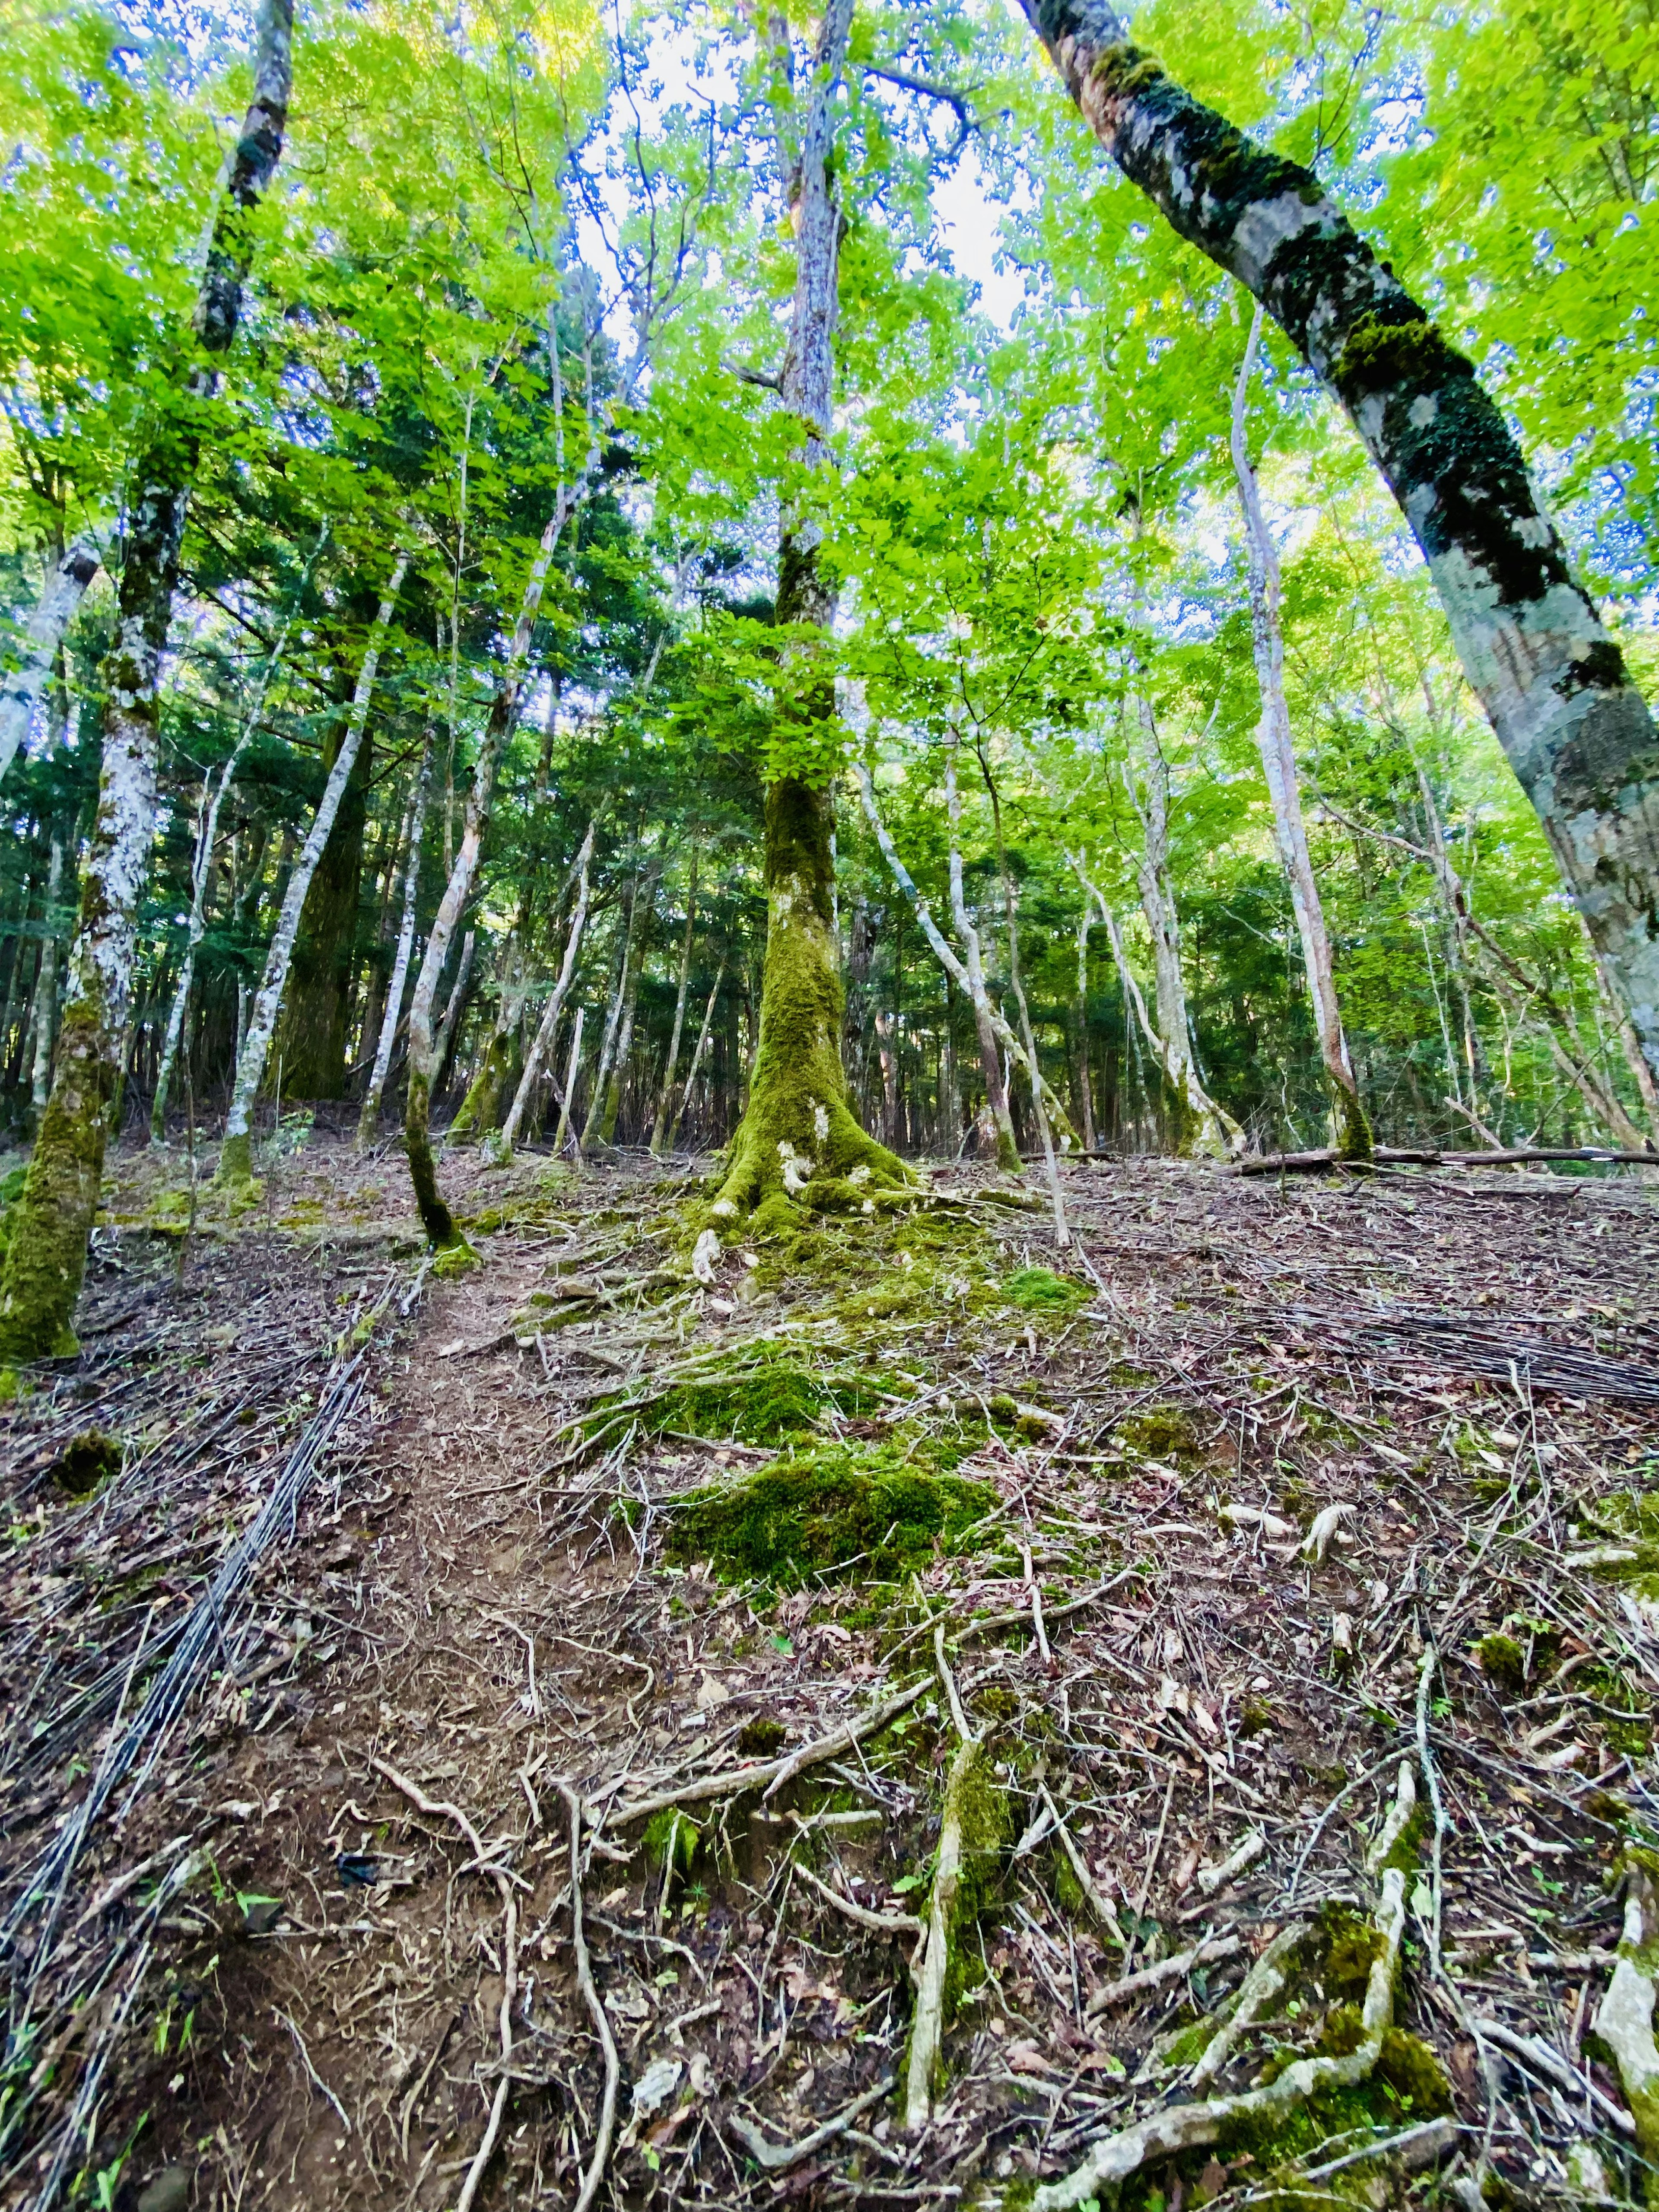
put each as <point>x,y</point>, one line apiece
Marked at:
<point>67,576</point>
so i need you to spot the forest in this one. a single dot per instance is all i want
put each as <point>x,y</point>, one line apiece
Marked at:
<point>829,1105</point>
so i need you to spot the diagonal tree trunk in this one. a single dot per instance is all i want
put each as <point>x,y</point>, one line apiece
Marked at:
<point>67,576</point>
<point>1352,1130</point>
<point>1200,1125</point>
<point>670,1065</point>
<point>1553,684</point>
<point>236,1153</point>
<point>46,1257</point>
<point>700,1049</point>
<point>201,864</point>
<point>368,1121</point>
<point>797,1124</point>
<point>540,1055</point>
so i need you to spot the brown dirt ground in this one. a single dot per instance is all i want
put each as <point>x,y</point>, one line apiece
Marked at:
<point>476,1602</point>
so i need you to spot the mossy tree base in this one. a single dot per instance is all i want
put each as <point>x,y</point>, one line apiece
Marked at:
<point>47,1229</point>
<point>236,1167</point>
<point>437,1219</point>
<point>798,1136</point>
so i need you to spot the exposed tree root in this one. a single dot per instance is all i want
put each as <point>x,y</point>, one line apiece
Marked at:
<point>1187,2127</point>
<point>1624,2022</point>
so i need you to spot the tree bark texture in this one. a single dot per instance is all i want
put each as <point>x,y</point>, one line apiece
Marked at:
<point>368,1121</point>
<point>1553,684</point>
<point>46,988</point>
<point>311,1030</point>
<point>540,1055</point>
<point>797,1124</point>
<point>236,1154</point>
<point>1199,1125</point>
<point>1351,1130</point>
<point>67,576</point>
<point>45,1260</point>
<point>670,1065</point>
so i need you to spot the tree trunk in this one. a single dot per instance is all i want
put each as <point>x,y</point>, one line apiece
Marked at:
<point>540,1055</point>
<point>573,1069</point>
<point>236,1153</point>
<point>311,1034</point>
<point>641,931</point>
<point>368,1121</point>
<point>45,989</point>
<point>697,1057</point>
<point>671,1064</point>
<point>1553,684</point>
<point>798,1124</point>
<point>45,1259</point>
<point>436,1218</point>
<point>622,956</point>
<point>67,576</point>
<point>1062,1233</point>
<point>1199,1125</point>
<point>202,866</point>
<point>1084,1089</point>
<point>1352,1129</point>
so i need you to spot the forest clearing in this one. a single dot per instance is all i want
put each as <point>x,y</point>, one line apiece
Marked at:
<point>829,1106</point>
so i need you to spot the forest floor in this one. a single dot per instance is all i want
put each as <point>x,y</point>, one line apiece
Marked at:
<point>331,1587</point>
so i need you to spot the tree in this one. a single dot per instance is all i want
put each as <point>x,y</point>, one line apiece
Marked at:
<point>1550,678</point>
<point>45,1258</point>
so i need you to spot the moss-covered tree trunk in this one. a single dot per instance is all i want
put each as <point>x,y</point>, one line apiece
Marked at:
<point>797,1127</point>
<point>1351,1128</point>
<point>1576,731</point>
<point>45,1259</point>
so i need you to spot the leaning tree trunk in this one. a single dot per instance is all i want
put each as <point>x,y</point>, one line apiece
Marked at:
<point>46,1257</point>
<point>201,869</point>
<point>368,1121</point>
<point>424,1068</point>
<point>67,576</point>
<point>236,1154</point>
<point>660,1126</point>
<point>46,988</point>
<point>1352,1130</point>
<point>798,1124</point>
<point>1201,1126</point>
<point>698,1051</point>
<point>540,1055</point>
<point>1576,731</point>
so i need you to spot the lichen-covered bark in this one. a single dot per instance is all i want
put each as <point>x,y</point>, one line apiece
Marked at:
<point>1553,684</point>
<point>45,1258</point>
<point>46,988</point>
<point>1274,741</point>
<point>67,576</point>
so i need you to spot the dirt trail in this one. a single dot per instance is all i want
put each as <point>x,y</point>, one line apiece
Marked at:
<point>492,1591</point>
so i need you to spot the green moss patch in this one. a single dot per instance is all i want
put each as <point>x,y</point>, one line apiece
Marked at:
<point>88,1460</point>
<point>1039,1290</point>
<point>828,1512</point>
<point>779,1400</point>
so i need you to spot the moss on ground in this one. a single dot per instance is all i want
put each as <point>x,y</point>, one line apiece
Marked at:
<point>824,1512</point>
<point>1039,1290</point>
<point>86,1462</point>
<point>779,1400</point>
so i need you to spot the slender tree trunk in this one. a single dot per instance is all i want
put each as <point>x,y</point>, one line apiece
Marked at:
<point>444,1043</point>
<point>236,1153</point>
<point>67,576</point>
<point>671,1064</point>
<point>202,866</point>
<point>368,1121</point>
<point>435,1216</point>
<point>798,1124</point>
<point>612,1022</point>
<point>1553,684</point>
<point>1199,1124</point>
<point>476,1116</point>
<point>1084,1089</point>
<point>540,1054</point>
<point>45,989</point>
<point>635,969</point>
<point>701,1048</point>
<point>573,1069</point>
<point>1062,1233</point>
<point>1352,1130</point>
<point>45,1259</point>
